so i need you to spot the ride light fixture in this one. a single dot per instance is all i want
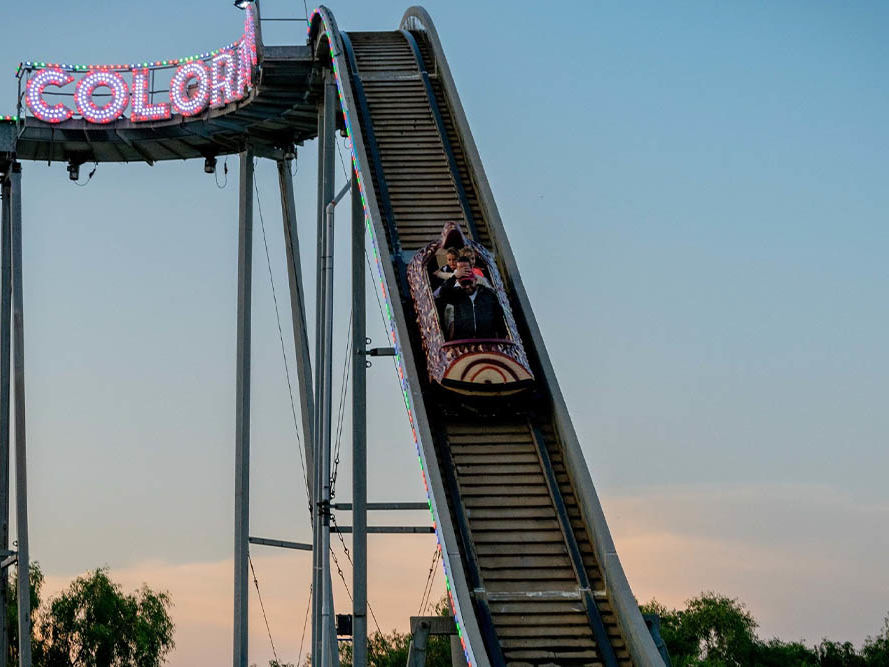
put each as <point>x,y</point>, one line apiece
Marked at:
<point>242,4</point>
<point>210,165</point>
<point>73,171</point>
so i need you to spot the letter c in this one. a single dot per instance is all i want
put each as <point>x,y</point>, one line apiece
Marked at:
<point>50,76</point>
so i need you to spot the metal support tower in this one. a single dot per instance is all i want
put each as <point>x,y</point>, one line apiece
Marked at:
<point>298,316</point>
<point>242,407</point>
<point>359,436</point>
<point>5,349</point>
<point>11,282</point>
<point>323,637</point>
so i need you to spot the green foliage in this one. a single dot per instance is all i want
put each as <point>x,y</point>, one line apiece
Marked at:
<point>835,654</point>
<point>712,630</point>
<point>775,653</point>
<point>717,631</point>
<point>391,650</point>
<point>94,624</point>
<point>876,649</point>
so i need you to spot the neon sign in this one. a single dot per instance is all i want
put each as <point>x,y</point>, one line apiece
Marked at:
<point>212,80</point>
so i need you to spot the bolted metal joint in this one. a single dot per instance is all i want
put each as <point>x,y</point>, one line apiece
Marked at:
<point>323,511</point>
<point>380,352</point>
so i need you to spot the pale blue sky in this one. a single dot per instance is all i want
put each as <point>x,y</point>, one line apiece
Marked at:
<point>696,195</point>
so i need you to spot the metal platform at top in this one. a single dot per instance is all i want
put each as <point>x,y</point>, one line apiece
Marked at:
<point>280,111</point>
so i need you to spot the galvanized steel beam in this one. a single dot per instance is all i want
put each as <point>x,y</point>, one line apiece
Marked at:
<point>323,634</point>
<point>242,407</point>
<point>298,319</point>
<point>284,544</point>
<point>359,435</point>
<point>5,349</point>
<point>21,472</point>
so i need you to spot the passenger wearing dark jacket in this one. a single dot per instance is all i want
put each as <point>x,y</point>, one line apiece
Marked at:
<point>469,309</point>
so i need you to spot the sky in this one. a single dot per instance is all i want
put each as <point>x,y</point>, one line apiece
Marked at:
<point>695,194</point>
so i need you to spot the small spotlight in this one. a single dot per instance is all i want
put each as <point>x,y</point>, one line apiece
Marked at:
<point>210,165</point>
<point>73,171</point>
<point>242,4</point>
<point>290,152</point>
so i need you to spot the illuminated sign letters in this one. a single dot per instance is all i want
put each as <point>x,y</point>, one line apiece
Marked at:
<point>51,76</point>
<point>210,80</point>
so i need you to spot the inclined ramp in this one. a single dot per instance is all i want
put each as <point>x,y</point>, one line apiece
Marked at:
<point>533,573</point>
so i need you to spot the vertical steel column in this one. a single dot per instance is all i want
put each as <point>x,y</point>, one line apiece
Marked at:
<point>242,406</point>
<point>18,361</point>
<point>5,331</point>
<point>325,400</point>
<point>322,604</point>
<point>359,436</point>
<point>298,316</point>
<point>314,473</point>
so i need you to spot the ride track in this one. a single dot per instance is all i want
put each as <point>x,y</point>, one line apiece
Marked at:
<point>533,574</point>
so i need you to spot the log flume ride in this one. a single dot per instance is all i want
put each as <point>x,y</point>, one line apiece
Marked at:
<point>533,574</point>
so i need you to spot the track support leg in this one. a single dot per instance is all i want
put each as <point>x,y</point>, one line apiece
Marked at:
<point>18,369</point>
<point>242,407</point>
<point>5,349</point>
<point>359,436</point>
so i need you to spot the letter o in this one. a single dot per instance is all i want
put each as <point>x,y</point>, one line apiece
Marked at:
<point>83,96</point>
<point>182,102</point>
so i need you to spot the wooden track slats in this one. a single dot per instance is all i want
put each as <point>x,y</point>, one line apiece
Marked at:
<point>517,540</point>
<point>520,548</point>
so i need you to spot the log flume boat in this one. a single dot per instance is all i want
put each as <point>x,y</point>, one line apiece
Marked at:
<point>472,366</point>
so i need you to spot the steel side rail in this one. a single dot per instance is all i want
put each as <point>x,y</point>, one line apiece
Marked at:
<point>323,32</point>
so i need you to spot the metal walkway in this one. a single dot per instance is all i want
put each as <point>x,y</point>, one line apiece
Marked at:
<point>281,111</point>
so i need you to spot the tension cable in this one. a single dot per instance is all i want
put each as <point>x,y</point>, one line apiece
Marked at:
<point>283,349</point>
<point>262,606</point>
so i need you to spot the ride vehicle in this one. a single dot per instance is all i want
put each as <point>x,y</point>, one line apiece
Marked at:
<point>470,366</point>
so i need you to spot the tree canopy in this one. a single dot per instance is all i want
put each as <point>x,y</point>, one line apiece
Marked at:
<point>93,623</point>
<point>714,630</point>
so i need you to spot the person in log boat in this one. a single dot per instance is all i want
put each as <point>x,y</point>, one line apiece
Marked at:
<point>471,310</point>
<point>470,253</point>
<point>447,270</point>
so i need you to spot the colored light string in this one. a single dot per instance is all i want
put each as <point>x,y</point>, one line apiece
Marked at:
<point>124,67</point>
<point>402,376</point>
<point>217,78</point>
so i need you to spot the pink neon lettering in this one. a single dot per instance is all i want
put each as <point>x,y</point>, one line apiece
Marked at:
<point>143,110</point>
<point>250,33</point>
<point>83,96</point>
<point>34,95</point>
<point>223,79</point>
<point>245,68</point>
<point>190,88</point>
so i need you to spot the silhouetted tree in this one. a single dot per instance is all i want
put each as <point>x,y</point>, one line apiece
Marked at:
<point>94,624</point>
<point>715,631</point>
